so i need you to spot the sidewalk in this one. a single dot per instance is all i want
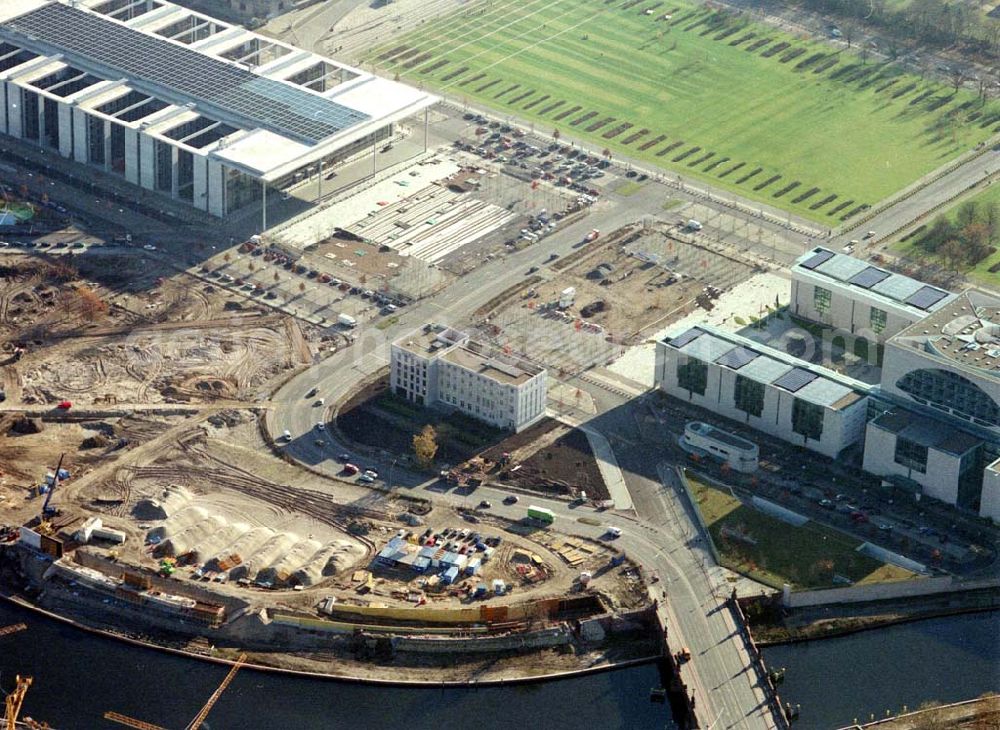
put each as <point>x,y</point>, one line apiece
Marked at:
<point>606,461</point>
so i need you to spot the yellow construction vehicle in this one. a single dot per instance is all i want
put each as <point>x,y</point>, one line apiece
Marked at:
<point>199,718</point>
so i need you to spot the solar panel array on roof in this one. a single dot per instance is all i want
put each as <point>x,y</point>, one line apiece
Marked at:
<point>926,297</point>
<point>794,379</point>
<point>684,338</point>
<point>92,40</point>
<point>869,277</point>
<point>816,259</point>
<point>738,357</point>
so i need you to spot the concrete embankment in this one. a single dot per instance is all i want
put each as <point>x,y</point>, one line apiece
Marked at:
<point>773,624</point>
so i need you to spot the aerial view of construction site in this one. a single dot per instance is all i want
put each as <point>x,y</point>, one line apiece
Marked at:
<point>370,355</point>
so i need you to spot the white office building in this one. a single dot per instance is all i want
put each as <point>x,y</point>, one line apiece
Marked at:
<point>444,367</point>
<point>851,295</point>
<point>763,388</point>
<point>990,500</point>
<point>183,104</point>
<point>945,462</point>
<point>941,380</point>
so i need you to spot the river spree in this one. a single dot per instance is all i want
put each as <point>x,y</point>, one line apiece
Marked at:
<point>79,676</point>
<point>837,680</point>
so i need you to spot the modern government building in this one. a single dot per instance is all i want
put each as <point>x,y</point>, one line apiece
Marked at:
<point>931,424</point>
<point>183,104</point>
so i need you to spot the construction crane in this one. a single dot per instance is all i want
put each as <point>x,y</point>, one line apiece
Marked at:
<point>12,629</point>
<point>199,718</point>
<point>14,701</point>
<point>46,510</point>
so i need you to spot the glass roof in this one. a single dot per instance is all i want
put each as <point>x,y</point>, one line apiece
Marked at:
<point>259,102</point>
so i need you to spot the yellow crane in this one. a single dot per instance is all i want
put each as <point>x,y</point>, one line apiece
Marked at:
<point>199,718</point>
<point>14,701</point>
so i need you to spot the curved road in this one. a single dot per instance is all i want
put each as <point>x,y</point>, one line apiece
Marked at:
<point>727,689</point>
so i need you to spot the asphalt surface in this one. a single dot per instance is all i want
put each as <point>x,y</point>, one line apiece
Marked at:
<point>726,687</point>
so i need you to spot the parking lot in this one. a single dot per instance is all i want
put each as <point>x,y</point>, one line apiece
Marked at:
<point>291,284</point>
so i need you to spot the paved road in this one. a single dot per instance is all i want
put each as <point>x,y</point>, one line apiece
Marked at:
<point>984,168</point>
<point>723,684</point>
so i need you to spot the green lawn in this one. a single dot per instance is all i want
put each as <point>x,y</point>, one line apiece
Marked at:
<point>981,272</point>
<point>805,557</point>
<point>791,122</point>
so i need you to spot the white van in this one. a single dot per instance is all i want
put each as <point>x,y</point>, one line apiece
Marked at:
<point>287,435</point>
<point>693,225</point>
<point>615,531</point>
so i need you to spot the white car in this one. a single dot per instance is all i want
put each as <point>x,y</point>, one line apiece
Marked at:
<point>287,435</point>
<point>615,531</point>
<point>320,426</point>
<point>149,247</point>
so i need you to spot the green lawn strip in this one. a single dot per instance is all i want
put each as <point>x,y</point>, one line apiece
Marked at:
<point>981,271</point>
<point>805,557</point>
<point>801,125</point>
<point>628,187</point>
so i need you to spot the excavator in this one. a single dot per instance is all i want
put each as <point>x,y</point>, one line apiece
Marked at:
<point>199,718</point>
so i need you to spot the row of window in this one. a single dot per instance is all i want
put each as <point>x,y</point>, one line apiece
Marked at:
<point>877,318</point>
<point>748,395</point>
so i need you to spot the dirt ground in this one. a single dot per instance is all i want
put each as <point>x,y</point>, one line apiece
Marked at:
<point>559,461</point>
<point>652,276</point>
<point>107,342</point>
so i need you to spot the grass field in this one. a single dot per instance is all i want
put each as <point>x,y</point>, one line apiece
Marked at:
<point>805,557</point>
<point>980,273</point>
<point>709,95</point>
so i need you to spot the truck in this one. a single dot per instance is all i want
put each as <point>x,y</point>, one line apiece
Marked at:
<point>346,320</point>
<point>541,514</point>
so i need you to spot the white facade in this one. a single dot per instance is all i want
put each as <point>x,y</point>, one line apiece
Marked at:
<point>989,505</point>
<point>444,367</point>
<point>928,453</point>
<point>741,455</point>
<point>183,104</point>
<point>763,388</point>
<point>849,294</point>
<point>951,362</point>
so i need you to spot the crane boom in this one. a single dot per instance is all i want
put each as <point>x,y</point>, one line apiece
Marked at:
<point>200,718</point>
<point>13,629</point>
<point>52,489</point>
<point>13,701</point>
<point>131,721</point>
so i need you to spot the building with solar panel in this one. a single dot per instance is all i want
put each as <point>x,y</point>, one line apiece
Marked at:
<point>183,104</point>
<point>763,388</point>
<point>939,394</point>
<point>850,294</point>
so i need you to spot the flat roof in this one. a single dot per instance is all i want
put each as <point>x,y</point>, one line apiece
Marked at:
<point>851,273</point>
<point>431,341</point>
<point>932,433</point>
<point>966,331</point>
<point>763,364</point>
<point>492,365</point>
<point>183,72</point>
<point>707,429</point>
<point>309,116</point>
